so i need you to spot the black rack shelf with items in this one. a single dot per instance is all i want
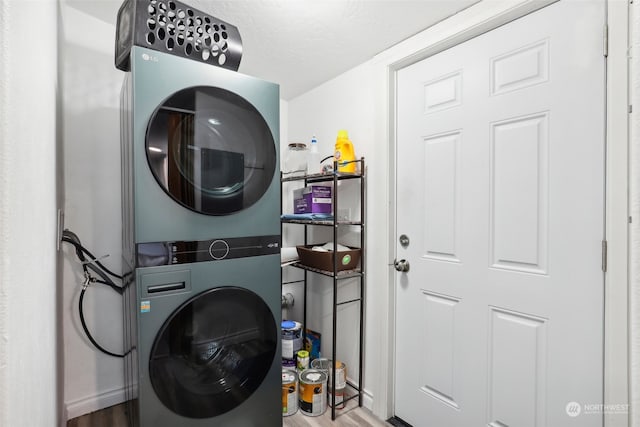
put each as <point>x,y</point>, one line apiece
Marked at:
<point>335,270</point>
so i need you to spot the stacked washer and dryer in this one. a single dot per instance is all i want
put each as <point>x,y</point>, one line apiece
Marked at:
<point>201,229</point>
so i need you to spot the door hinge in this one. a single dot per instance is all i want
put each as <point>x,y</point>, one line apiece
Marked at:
<point>604,256</point>
<point>605,50</point>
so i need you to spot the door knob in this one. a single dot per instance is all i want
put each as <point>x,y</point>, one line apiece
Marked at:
<point>401,265</point>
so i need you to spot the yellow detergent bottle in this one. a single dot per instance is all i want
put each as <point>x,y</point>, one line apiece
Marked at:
<point>345,153</point>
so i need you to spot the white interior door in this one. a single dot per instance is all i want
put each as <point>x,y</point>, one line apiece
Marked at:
<point>500,191</point>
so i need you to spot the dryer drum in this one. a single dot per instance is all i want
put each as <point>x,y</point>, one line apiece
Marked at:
<point>213,352</point>
<point>211,150</point>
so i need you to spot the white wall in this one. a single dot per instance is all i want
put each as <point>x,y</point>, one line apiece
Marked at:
<point>91,138</point>
<point>28,355</point>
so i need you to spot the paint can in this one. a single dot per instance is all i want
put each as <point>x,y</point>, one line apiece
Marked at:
<point>303,360</point>
<point>341,375</point>
<point>291,339</point>
<point>289,364</point>
<point>324,365</point>
<point>313,392</point>
<point>289,392</point>
<point>340,394</point>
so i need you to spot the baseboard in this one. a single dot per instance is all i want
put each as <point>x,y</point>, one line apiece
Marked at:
<point>94,403</point>
<point>367,399</point>
<point>65,416</point>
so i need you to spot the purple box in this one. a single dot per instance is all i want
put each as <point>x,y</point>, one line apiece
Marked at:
<point>312,199</point>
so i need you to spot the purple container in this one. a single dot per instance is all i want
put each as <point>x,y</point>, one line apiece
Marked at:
<point>312,199</point>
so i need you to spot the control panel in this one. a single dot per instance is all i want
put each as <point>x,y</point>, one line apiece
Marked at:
<point>154,254</point>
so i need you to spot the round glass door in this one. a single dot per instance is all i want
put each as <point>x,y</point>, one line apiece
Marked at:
<point>213,352</point>
<point>211,150</point>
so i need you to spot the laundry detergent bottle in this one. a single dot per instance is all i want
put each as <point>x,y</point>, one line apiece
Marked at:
<point>345,153</point>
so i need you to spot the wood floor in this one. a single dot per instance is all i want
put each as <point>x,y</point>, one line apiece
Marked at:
<point>114,416</point>
<point>351,416</point>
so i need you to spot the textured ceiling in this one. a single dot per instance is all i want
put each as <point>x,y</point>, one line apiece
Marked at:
<point>303,43</point>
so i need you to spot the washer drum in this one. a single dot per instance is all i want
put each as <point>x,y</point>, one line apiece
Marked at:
<point>173,27</point>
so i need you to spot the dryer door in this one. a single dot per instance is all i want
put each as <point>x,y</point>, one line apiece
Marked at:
<point>213,352</point>
<point>211,150</point>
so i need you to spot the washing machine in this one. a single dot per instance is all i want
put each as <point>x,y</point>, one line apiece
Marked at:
<point>201,244</point>
<point>207,345</point>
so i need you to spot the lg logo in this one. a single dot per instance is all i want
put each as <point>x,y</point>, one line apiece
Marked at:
<point>573,409</point>
<point>148,57</point>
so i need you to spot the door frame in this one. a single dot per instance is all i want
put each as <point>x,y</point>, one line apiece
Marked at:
<point>472,22</point>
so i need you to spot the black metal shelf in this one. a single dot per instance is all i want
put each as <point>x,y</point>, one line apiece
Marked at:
<point>346,398</point>
<point>344,274</point>
<point>321,222</point>
<point>324,177</point>
<point>350,301</point>
<point>335,274</point>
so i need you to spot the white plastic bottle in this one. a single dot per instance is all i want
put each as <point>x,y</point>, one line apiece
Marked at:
<point>313,157</point>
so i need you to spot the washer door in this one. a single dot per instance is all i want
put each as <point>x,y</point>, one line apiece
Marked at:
<point>213,352</point>
<point>211,150</point>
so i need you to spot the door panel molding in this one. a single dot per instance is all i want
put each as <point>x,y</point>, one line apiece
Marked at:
<point>514,143</point>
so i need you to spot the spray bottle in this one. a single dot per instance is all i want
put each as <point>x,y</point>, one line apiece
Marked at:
<point>345,153</point>
<point>313,157</point>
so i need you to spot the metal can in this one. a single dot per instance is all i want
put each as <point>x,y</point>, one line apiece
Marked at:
<point>341,375</point>
<point>325,366</point>
<point>303,360</point>
<point>340,395</point>
<point>322,364</point>
<point>289,364</point>
<point>291,339</point>
<point>289,392</point>
<point>313,394</point>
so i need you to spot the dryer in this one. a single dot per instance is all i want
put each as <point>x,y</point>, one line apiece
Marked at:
<point>201,153</point>
<point>201,243</point>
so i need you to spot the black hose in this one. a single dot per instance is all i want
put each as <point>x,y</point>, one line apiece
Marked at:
<point>98,268</point>
<point>71,237</point>
<point>86,329</point>
<point>326,158</point>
